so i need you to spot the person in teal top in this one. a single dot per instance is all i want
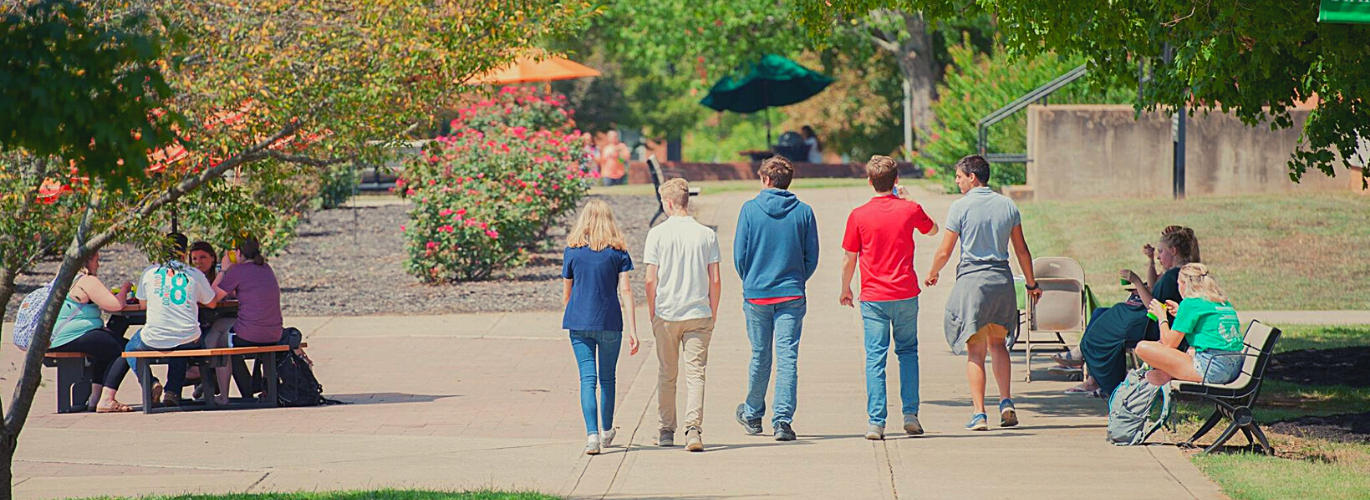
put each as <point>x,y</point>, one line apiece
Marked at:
<point>1207,322</point>
<point>79,329</point>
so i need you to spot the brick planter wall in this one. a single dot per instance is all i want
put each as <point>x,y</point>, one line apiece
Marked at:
<point>637,171</point>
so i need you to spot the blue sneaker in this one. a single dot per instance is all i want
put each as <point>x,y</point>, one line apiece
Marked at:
<point>1008,416</point>
<point>978,422</point>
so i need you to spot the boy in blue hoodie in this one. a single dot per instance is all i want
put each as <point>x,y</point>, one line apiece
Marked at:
<point>775,250</point>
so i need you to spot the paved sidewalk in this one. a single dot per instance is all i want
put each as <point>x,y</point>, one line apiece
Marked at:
<point>490,400</point>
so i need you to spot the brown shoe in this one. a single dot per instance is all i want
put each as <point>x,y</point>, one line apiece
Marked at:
<point>170,399</point>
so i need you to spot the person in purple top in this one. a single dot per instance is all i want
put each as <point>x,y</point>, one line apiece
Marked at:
<point>259,321</point>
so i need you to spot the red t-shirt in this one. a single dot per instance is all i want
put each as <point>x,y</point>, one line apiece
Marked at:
<point>881,233</point>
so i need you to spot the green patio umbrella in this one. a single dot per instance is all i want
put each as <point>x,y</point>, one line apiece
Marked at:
<point>772,82</point>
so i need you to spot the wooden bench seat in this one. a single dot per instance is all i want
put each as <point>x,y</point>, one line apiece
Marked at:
<point>64,355</point>
<point>73,383</point>
<point>202,353</point>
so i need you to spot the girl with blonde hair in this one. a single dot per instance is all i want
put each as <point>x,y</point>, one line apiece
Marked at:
<point>599,301</point>
<point>1206,320</point>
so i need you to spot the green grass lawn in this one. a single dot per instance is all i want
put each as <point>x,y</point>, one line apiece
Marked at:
<point>715,187</point>
<point>1271,251</point>
<point>366,495</point>
<point>1304,467</point>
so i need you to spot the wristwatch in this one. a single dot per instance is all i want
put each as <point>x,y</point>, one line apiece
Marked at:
<point>1031,287</point>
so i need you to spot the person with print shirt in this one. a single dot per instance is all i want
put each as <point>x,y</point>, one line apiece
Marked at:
<point>1207,322</point>
<point>597,297</point>
<point>173,293</point>
<point>775,249</point>
<point>983,307</point>
<point>879,236</point>
<point>683,289</point>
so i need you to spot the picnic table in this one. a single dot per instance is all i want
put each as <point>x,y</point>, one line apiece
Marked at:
<point>73,382</point>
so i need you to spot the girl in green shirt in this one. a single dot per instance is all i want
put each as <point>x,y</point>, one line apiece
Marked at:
<point>1207,321</point>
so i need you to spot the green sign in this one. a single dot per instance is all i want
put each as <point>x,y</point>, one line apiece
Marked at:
<point>1344,11</point>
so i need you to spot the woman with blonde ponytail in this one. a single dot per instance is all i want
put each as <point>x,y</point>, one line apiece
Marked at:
<point>599,303</point>
<point>1207,321</point>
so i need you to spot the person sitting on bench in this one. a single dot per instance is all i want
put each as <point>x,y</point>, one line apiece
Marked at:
<point>79,329</point>
<point>259,321</point>
<point>1207,321</point>
<point>172,292</point>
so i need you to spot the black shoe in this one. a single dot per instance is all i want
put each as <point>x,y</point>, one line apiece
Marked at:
<point>751,426</point>
<point>783,432</point>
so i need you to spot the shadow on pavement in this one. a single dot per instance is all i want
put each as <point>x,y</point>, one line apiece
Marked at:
<point>381,398</point>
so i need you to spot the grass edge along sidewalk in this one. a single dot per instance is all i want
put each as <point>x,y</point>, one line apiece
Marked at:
<point>1304,467</point>
<point>361,495</point>
<point>1270,251</point>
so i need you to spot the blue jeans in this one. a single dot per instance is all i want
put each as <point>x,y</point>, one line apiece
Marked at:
<point>175,367</point>
<point>1218,366</point>
<point>774,329</point>
<point>882,320</point>
<point>584,343</point>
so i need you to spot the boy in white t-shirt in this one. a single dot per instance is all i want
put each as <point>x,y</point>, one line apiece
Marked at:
<point>683,288</point>
<point>173,293</point>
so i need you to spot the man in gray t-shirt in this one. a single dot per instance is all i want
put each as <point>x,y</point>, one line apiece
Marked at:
<point>983,307</point>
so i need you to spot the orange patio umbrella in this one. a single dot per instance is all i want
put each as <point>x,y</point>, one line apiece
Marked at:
<point>530,69</point>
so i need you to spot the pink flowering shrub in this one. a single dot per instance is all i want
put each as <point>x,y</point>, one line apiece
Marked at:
<point>486,194</point>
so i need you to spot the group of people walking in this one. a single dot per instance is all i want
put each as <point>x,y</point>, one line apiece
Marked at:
<point>775,253</point>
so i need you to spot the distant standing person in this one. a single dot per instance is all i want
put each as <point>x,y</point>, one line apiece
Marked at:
<point>879,237</point>
<point>683,289</point>
<point>811,141</point>
<point>613,160</point>
<point>983,306</point>
<point>775,249</point>
<point>599,302</point>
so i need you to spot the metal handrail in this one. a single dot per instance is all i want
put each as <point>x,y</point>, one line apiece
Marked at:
<point>1037,94</point>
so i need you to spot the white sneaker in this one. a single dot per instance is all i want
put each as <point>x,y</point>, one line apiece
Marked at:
<point>875,432</point>
<point>606,438</point>
<point>592,445</point>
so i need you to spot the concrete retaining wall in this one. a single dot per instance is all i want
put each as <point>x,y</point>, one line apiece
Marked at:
<point>1101,151</point>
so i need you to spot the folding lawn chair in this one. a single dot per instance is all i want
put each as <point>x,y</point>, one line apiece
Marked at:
<point>1060,310</point>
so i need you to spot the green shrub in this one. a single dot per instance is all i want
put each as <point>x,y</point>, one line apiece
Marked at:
<point>975,85</point>
<point>487,194</point>
<point>336,186</point>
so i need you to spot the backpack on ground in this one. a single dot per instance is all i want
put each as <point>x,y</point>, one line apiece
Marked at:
<point>1130,406</point>
<point>31,311</point>
<point>297,385</point>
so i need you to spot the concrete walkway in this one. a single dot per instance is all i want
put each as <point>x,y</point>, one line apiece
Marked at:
<point>490,401</point>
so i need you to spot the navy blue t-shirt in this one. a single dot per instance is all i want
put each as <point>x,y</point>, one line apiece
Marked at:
<point>594,301</point>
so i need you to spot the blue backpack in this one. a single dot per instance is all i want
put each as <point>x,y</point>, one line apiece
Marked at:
<point>31,310</point>
<point>1130,406</point>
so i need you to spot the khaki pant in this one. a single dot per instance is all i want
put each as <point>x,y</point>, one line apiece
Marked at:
<point>694,335</point>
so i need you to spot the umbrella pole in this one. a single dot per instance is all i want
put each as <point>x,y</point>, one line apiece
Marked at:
<point>768,128</point>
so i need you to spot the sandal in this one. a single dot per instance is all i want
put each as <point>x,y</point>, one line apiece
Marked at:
<point>115,407</point>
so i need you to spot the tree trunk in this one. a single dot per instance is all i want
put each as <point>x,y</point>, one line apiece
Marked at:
<point>7,447</point>
<point>905,36</point>
<point>916,66</point>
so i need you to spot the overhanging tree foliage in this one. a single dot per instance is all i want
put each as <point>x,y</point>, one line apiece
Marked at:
<point>1253,58</point>
<point>251,87</point>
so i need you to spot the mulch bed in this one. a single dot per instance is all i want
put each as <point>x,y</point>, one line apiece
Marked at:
<point>1349,428</point>
<point>1340,366</point>
<point>351,263</point>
